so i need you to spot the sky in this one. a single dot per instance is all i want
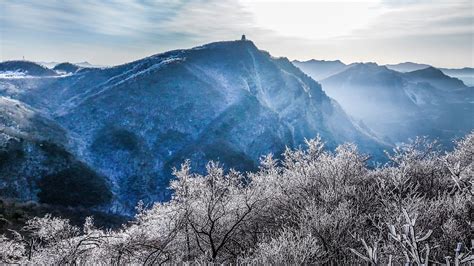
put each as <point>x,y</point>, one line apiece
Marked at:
<point>106,32</point>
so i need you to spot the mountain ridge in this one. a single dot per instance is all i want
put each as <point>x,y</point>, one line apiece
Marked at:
<point>25,68</point>
<point>225,101</point>
<point>414,103</point>
<point>321,69</point>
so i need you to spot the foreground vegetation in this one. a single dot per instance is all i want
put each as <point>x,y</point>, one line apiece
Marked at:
<point>311,207</point>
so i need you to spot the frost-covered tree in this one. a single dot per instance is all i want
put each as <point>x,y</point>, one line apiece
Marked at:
<point>219,211</point>
<point>311,207</point>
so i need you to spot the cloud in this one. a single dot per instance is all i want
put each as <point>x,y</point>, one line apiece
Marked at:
<point>314,20</point>
<point>420,18</point>
<point>126,21</point>
<point>116,31</point>
<point>114,18</point>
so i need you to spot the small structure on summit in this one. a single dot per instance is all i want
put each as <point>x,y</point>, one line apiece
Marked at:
<point>243,38</point>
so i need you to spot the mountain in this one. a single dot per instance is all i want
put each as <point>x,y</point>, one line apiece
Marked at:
<point>225,101</point>
<point>465,74</point>
<point>87,64</point>
<point>434,77</point>
<point>407,66</point>
<point>48,64</point>
<point>84,64</point>
<point>35,165</point>
<point>67,68</point>
<point>398,106</point>
<point>466,71</point>
<point>320,69</point>
<point>24,68</point>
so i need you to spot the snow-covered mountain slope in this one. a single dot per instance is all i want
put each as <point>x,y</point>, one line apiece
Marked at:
<point>399,106</point>
<point>225,101</point>
<point>320,69</point>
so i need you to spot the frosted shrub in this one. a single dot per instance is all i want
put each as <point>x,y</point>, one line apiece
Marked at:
<point>151,239</point>
<point>11,251</point>
<point>311,207</point>
<point>49,230</point>
<point>411,242</point>
<point>417,167</point>
<point>331,227</point>
<point>460,164</point>
<point>291,247</point>
<point>219,211</point>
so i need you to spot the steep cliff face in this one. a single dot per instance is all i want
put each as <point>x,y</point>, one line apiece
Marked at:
<point>225,101</point>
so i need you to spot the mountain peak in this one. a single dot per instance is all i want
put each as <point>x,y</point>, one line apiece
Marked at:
<point>317,61</point>
<point>407,66</point>
<point>368,67</point>
<point>428,72</point>
<point>366,64</point>
<point>364,73</point>
<point>239,44</point>
<point>67,67</point>
<point>436,78</point>
<point>320,69</point>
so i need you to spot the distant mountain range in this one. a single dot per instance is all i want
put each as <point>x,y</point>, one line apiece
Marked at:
<point>398,106</point>
<point>67,68</point>
<point>131,124</point>
<point>407,66</point>
<point>84,64</point>
<point>321,69</point>
<point>465,74</point>
<point>22,69</point>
